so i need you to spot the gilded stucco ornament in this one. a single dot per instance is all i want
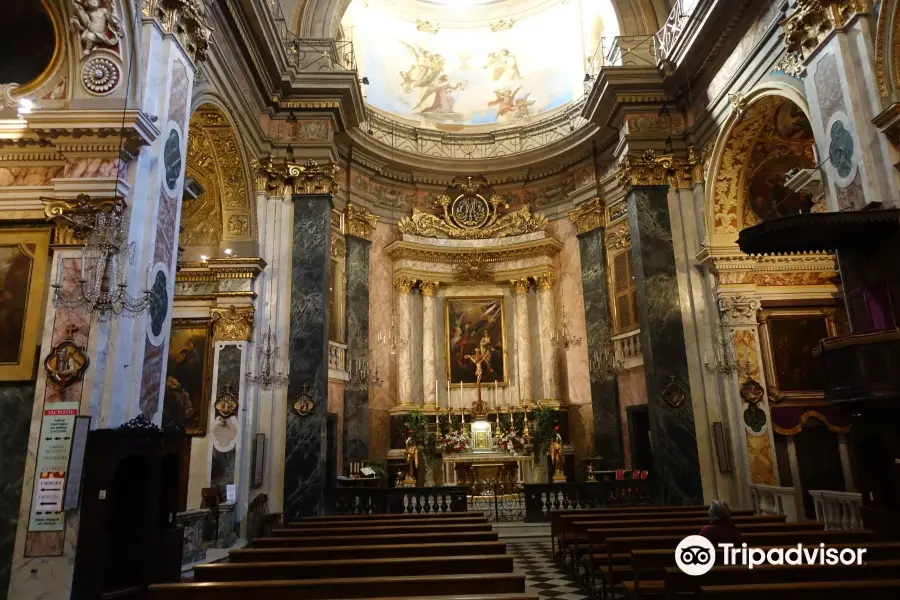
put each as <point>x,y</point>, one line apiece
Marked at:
<point>232,324</point>
<point>813,20</point>
<point>312,178</point>
<point>589,216</point>
<point>359,222</point>
<point>650,169</point>
<point>471,216</point>
<point>186,20</point>
<point>74,219</point>
<point>96,24</point>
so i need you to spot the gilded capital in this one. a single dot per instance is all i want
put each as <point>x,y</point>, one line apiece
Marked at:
<point>312,178</point>
<point>338,247</point>
<point>589,216</point>
<point>520,286</point>
<point>545,282</point>
<point>646,170</point>
<point>75,219</point>
<point>186,20</point>
<point>429,288</point>
<point>359,222</point>
<point>232,324</point>
<point>270,178</point>
<point>403,285</point>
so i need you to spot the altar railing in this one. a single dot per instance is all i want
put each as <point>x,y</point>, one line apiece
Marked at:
<point>542,498</point>
<point>838,510</point>
<point>389,501</point>
<point>774,500</point>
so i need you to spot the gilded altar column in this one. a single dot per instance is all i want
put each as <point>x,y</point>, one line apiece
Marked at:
<point>403,286</point>
<point>547,311</point>
<point>429,343</point>
<point>523,340</point>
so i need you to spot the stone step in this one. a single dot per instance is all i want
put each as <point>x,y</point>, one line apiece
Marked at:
<point>519,530</point>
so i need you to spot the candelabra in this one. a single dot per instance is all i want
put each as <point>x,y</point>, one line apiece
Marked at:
<point>604,365</point>
<point>562,337</point>
<point>267,378</point>
<point>101,287</point>
<point>725,362</point>
<point>394,339</point>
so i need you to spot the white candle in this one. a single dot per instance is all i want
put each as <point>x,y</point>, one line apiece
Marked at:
<point>149,273</point>
<point>82,267</point>
<point>437,400</point>
<point>448,392</point>
<point>59,272</point>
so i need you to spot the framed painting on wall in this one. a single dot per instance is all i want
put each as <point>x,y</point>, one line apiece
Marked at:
<point>788,338</point>
<point>187,398</point>
<point>475,332</point>
<point>23,265</point>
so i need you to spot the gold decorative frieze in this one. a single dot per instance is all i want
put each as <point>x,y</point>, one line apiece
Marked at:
<point>652,170</point>
<point>310,178</point>
<point>429,288</point>
<point>589,216</point>
<point>535,249</point>
<point>75,219</point>
<point>403,285</point>
<point>475,268</point>
<point>186,20</point>
<point>471,216</point>
<point>813,20</point>
<point>232,324</point>
<point>338,247</point>
<point>618,236</point>
<point>359,222</point>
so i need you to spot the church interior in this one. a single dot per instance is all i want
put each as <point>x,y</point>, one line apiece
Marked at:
<point>471,299</point>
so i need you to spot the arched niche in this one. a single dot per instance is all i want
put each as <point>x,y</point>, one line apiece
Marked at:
<point>36,32</point>
<point>767,136</point>
<point>222,213</point>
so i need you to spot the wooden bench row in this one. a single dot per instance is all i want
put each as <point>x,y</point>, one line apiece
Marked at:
<point>247,555</point>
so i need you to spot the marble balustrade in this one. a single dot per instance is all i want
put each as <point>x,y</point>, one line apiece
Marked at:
<point>192,520</point>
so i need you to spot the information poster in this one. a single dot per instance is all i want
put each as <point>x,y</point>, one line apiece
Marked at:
<point>54,448</point>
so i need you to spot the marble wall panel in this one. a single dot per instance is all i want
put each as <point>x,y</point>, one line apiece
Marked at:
<point>381,294</point>
<point>224,432</point>
<point>304,461</point>
<point>581,423</point>
<point>604,393</point>
<point>675,454</point>
<point>354,431</point>
<point>16,402</point>
<point>379,433</point>
<point>336,399</point>
<point>632,388</point>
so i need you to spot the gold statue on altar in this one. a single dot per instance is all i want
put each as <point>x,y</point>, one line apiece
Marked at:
<point>412,462</point>
<point>557,455</point>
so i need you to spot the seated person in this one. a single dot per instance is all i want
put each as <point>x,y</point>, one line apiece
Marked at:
<point>720,529</point>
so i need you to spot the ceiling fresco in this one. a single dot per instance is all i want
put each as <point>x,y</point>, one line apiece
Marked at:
<point>481,75</point>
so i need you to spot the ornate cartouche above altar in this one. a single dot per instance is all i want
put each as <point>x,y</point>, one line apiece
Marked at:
<point>471,216</point>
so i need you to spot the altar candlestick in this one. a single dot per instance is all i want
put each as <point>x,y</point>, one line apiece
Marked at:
<point>448,392</point>
<point>437,401</point>
<point>59,272</point>
<point>495,394</point>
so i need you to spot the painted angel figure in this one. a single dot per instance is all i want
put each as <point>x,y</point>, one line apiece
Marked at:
<point>502,64</point>
<point>97,24</point>
<point>523,107</point>
<point>505,101</point>
<point>443,98</point>
<point>427,67</point>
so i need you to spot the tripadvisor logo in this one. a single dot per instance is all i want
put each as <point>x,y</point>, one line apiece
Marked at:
<point>695,555</point>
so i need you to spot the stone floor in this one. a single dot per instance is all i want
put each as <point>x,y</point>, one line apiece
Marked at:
<point>543,576</point>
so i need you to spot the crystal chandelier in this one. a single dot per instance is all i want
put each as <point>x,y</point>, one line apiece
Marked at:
<point>394,339</point>
<point>358,368</point>
<point>101,287</point>
<point>267,378</point>
<point>561,337</point>
<point>603,364</point>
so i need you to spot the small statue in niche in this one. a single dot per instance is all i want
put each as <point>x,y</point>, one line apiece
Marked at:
<point>96,24</point>
<point>557,455</point>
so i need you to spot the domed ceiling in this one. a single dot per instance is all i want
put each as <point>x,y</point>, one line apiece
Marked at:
<point>474,65</point>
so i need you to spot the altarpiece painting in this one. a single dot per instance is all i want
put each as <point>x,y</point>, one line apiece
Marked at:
<point>187,375</point>
<point>475,332</point>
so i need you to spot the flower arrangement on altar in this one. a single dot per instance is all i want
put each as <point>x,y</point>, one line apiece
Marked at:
<point>453,441</point>
<point>511,441</point>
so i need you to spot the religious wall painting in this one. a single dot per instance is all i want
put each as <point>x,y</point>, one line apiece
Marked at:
<point>475,335</point>
<point>791,123</point>
<point>767,194</point>
<point>789,338</point>
<point>23,262</point>
<point>187,396</point>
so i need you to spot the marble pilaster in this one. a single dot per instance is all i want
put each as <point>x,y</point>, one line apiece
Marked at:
<point>672,429</point>
<point>403,288</point>
<point>604,389</point>
<point>523,341</point>
<point>225,432</point>
<point>356,398</point>
<point>547,320</point>
<point>430,341</point>
<point>304,452</point>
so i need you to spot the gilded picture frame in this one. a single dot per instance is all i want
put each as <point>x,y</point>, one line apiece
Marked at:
<point>188,373</point>
<point>466,320</point>
<point>23,267</point>
<point>787,338</point>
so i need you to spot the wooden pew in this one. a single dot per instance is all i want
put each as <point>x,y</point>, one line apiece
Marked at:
<point>650,556</point>
<point>375,540</point>
<point>359,567</point>
<point>874,589</point>
<point>343,588</point>
<point>249,555</point>
<point>581,528</point>
<point>611,549</point>
<point>437,529</point>
<point>677,582</point>
<point>387,521</point>
<point>449,515</point>
<point>569,533</point>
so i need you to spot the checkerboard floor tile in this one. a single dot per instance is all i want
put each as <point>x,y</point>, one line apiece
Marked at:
<point>543,576</point>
